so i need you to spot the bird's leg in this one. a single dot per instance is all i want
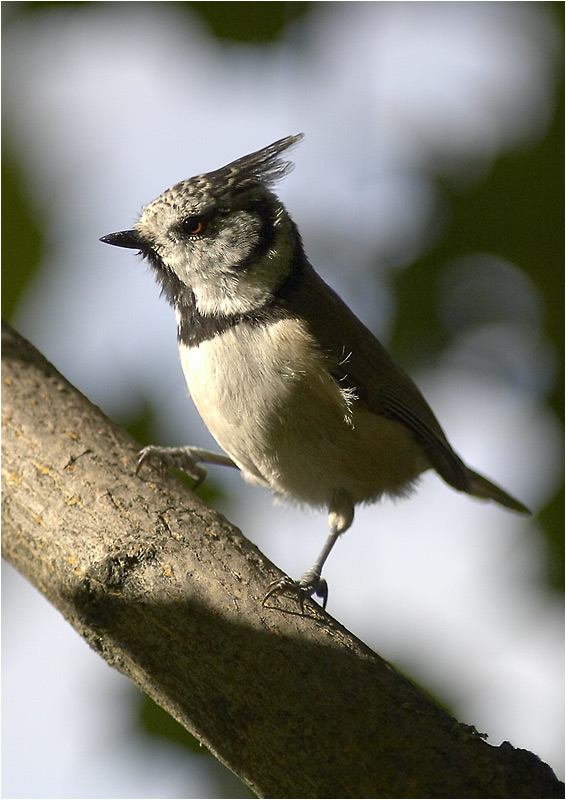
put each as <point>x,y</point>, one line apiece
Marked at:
<point>340,518</point>
<point>187,459</point>
<point>310,582</point>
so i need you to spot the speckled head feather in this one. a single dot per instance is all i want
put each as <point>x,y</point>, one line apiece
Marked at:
<point>264,167</point>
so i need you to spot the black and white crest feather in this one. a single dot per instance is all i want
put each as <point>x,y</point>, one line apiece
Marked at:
<point>264,167</point>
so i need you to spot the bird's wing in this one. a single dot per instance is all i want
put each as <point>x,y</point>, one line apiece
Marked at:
<point>361,363</point>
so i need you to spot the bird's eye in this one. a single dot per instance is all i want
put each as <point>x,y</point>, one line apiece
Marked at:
<point>192,226</point>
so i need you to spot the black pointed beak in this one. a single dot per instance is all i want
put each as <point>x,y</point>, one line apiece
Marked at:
<point>130,239</point>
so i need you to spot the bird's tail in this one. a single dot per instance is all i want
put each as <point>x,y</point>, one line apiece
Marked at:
<point>486,490</point>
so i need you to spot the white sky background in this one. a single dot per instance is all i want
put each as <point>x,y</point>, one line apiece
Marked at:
<point>111,104</point>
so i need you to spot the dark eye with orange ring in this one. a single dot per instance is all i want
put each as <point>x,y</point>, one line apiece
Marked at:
<point>192,226</point>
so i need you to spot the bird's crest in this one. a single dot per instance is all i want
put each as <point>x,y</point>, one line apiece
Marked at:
<point>264,167</point>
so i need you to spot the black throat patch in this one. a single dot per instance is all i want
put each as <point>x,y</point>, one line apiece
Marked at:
<point>194,327</point>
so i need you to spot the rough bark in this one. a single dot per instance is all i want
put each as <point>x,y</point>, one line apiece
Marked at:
<point>169,593</point>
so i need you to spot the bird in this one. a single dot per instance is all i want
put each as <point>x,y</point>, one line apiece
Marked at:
<point>296,390</point>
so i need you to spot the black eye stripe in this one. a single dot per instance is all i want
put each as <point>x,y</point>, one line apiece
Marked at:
<point>264,210</point>
<point>197,225</point>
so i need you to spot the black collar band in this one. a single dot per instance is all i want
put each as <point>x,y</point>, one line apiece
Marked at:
<point>195,328</point>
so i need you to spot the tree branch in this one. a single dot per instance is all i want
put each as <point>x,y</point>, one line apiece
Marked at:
<point>169,593</point>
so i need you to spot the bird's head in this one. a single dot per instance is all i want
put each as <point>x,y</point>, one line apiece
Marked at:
<point>222,236</point>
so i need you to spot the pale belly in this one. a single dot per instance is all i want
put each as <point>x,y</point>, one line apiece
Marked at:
<point>286,423</point>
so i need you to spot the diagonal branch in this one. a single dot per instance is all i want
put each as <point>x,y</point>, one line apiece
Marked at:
<point>169,593</point>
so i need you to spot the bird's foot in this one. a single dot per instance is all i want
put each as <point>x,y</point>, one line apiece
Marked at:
<point>164,458</point>
<point>310,583</point>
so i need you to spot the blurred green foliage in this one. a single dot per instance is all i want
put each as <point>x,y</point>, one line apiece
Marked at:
<point>514,211</point>
<point>248,21</point>
<point>23,240</point>
<point>231,21</point>
<point>156,722</point>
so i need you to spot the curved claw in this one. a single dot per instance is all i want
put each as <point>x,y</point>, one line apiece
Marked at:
<point>143,456</point>
<point>172,458</point>
<point>322,591</point>
<point>301,589</point>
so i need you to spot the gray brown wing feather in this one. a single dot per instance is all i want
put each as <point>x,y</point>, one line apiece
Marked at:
<point>361,363</point>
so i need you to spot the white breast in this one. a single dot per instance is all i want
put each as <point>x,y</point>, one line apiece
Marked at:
<point>266,395</point>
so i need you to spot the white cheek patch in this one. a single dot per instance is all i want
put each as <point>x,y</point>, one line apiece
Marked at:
<point>222,292</point>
